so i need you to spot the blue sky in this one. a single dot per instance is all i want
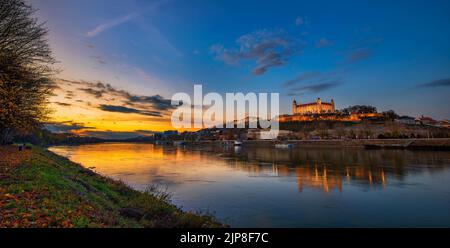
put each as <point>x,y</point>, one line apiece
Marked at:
<point>390,54</point>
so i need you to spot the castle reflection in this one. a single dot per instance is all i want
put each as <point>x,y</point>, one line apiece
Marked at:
<point>329,169</point>
<point>326,169</point>
<point>259,187</point>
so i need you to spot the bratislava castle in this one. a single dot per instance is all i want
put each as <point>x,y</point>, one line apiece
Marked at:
<point>317,107</point>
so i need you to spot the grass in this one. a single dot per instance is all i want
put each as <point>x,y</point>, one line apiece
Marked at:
<point>41,189</point>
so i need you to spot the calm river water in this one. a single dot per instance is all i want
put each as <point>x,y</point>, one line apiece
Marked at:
<point>302,187</point>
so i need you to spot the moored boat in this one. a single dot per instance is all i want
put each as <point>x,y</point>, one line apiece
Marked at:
<point>238,143</point>
<point>284,146</point>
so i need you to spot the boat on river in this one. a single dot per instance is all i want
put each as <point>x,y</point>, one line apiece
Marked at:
<point>284,146</point>
<point>237,143</point>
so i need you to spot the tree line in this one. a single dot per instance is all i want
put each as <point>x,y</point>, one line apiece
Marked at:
<point>26,69</point>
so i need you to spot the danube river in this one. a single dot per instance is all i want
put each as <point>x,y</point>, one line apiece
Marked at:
<point>301,187</point>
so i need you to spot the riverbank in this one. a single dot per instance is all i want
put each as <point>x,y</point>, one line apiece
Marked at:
<point>41,189</point>
<point>418,144</point>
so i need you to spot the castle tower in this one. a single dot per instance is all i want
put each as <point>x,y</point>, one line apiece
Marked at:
<point>319,105</point>
<point>332,105</point>
<point>294,107</point>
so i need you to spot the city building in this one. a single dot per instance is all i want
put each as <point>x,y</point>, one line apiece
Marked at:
<point>424,120</point>
<point>407,120</point>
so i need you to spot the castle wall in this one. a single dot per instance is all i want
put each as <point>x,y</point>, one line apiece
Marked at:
<point>313,108</point>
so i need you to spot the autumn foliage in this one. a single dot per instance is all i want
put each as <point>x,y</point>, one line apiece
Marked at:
<point>26,67</point>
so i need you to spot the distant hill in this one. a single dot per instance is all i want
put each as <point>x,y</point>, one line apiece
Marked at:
<point>46,138</point>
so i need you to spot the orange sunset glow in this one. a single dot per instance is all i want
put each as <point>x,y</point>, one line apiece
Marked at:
<point>85,107</point>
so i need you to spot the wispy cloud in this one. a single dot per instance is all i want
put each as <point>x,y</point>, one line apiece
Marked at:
<point>267,49</point>
<point>99,59</point>
<point>323,42</point>
<point>110,135</point>
<point>153,105</point>
<point>145,76</point>
<point>314,88</point>
<point>65,127</point>
<point>299,21</point>
<point>361,50</point>
<point>110,24</point>
<point>69,95</point>
<point>94,92</point>
<point>436,83</point>
<point>313,82</point>
<point>120,20</point>
<point>64,104</point>
<point>358,55</point>
<point>127,110</point>
<point>157,101</point>
<point>302,77</point>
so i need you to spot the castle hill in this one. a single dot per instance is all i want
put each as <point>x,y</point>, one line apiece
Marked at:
<point>321,121</point>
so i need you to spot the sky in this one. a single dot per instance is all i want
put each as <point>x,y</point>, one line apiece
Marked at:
<point>121,61</point>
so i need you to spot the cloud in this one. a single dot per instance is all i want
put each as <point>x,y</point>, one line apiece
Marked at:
<point>109,24</point>
<point>124,101</point>
<point>112,135</point>
<point>63,104</point>
<point>120,20</point>
<point>156,101</point>
<point>94,92</point>
<point>97,89</point>
<point>361,50</point>
<point>65,127</point>
<point>265,48</point>
<point>299,21</point>
<point>358,55</point>
<point>157,39</point>
<point>126,110</point>
<point>302,77</point>
<point>314,82</point>
<point>146,76</point>
<point>69,94</point>
<point>436,83</point>
<point>314,88</point>
<point>99,59</point>
<point>323,43</point>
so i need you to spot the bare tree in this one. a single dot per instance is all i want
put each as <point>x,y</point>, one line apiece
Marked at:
<point>340,130</point>
<point>26,67</point>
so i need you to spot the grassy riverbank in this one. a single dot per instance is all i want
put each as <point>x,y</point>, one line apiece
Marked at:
<point>41,189</point>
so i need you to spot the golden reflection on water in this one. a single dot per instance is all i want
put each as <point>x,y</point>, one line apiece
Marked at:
<point>302,187</point>
<point>324,169</point>
<point>145,164</point>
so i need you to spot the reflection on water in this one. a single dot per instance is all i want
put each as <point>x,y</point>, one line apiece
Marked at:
<point>308,187</point>
<point>328,168</point>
